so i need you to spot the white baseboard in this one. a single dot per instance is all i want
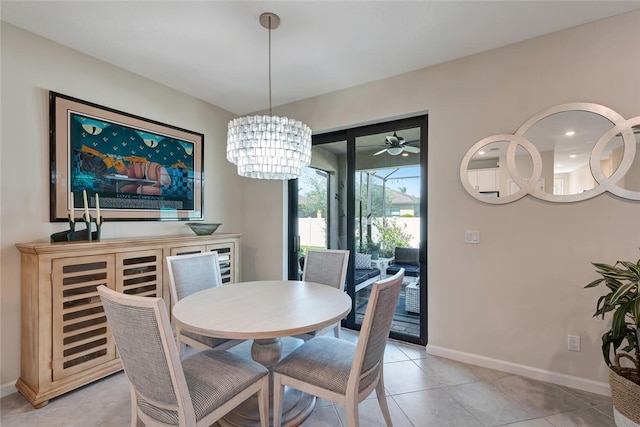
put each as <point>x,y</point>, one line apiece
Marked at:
<point>474,359</point>
<point>523,370</point>
<point>8,388</point>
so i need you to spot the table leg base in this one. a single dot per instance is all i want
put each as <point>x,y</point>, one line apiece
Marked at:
<point>297,406</point>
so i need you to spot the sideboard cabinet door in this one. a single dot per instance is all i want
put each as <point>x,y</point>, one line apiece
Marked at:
<point>81,339</point>
<point>227,260</point>
<point>227,257</point>
<point>139,273</point>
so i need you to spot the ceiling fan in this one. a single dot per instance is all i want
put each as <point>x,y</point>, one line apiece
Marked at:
<point>396,145</point>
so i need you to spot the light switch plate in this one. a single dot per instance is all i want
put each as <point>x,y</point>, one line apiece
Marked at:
<point>472,236</point>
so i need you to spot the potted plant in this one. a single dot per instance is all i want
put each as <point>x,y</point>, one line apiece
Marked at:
<point>622,340</point>
<point>373,248</point>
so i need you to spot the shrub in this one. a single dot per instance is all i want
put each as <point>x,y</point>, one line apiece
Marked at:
<point>391,235</point>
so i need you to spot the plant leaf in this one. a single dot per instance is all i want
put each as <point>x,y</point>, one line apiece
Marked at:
<point>621,292</point>
<point>594,283</point>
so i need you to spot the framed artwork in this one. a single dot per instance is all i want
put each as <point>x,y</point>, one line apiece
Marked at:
<point>138,169</point>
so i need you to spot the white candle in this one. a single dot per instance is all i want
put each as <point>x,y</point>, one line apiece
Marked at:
<point>71,211</point>
<point>86,206</point>
<point>97,209</point>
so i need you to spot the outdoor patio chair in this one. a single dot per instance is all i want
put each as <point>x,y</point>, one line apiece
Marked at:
<point>165,391</point>
<point>338,370</point>
<point>328,267</point>
<point>408,259</point>
<point>189,274</point>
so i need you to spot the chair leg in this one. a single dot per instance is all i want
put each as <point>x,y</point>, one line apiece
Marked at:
<point>351,408</point>
<point>179,344</point>
<point>135,419</point>
<point>278,390</point>
<point>382,401</point>
<point>263,402</point>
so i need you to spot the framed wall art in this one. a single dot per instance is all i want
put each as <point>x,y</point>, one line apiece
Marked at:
<point>142,170</point>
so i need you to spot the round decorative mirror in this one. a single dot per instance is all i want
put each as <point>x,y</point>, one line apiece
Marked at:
<point>567,153</point>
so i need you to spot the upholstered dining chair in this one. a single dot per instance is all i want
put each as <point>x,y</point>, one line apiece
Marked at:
<point>327,267</point>
<point>189,274</point>
<point>338,370</point>
<point>166,391</point>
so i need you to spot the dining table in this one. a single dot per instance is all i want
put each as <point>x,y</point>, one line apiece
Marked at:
<point>264,311</point>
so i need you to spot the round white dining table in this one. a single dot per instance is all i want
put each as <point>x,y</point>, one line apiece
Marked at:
<point>264,311</point>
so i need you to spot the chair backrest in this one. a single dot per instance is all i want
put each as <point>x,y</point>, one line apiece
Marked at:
<point>191,273</point>
<point>327,266</point>
<point>375,330</point>
<point>143,336</point>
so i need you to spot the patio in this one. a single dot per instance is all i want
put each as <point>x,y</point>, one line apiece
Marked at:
<point>404,322</point>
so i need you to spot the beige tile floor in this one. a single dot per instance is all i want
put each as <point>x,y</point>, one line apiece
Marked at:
<point>422,390</point>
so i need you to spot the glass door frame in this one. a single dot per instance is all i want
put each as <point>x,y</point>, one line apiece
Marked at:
<point>349,136</point>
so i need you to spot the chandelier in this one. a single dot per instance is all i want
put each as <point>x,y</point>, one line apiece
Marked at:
<point>268,147</point>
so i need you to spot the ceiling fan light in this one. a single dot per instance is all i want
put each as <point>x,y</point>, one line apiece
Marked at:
<point>394,151</point>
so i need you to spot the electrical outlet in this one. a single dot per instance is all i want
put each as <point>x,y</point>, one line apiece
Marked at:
<point>574,343</point>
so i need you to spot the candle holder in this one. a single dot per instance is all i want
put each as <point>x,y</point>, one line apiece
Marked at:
<point>88,220</point>
<point>99,221</point>
<point>71,235</point>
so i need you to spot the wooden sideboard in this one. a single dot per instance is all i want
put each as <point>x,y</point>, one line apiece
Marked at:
<point>66,342</point>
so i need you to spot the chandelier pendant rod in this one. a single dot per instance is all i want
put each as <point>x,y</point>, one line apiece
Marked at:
<point>270,26</point>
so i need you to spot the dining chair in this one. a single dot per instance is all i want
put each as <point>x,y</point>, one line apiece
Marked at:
<point>341,371</point>
<point>327,267</point>
<point>189,274</point>
<point>196,391</point>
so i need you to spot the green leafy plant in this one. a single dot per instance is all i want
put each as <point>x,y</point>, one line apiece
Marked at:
<point>372,246</point>
<point>391,235</point>
<point>623,301</point>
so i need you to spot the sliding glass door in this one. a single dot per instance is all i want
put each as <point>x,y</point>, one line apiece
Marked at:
<point>315,219</point>
<point>365,191</point>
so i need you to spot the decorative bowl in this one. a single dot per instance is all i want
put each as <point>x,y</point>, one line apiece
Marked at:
<point>203,228</point>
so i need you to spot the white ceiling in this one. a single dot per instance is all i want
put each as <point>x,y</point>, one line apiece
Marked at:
<point>218,52</point>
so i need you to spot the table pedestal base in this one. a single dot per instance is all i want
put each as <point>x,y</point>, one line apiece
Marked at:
<point>296,407</point>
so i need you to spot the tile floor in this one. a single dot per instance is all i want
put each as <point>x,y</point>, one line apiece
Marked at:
<point>423,390</point>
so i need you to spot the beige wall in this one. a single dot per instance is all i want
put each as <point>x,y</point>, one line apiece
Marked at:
<point>31,66</point>
<point>520,291</point>
<point>510,301</point>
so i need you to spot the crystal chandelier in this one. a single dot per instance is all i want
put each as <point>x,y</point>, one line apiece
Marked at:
<point>268,147</point>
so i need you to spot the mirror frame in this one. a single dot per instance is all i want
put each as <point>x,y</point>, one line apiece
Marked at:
<point>603,184</point>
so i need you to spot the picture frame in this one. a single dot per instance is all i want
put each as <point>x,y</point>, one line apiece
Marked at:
<point>141,169</point>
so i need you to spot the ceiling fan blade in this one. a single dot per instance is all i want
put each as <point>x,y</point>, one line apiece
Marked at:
<point>392,139</point>
<point>410,149</point>
<point>380,152</point>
